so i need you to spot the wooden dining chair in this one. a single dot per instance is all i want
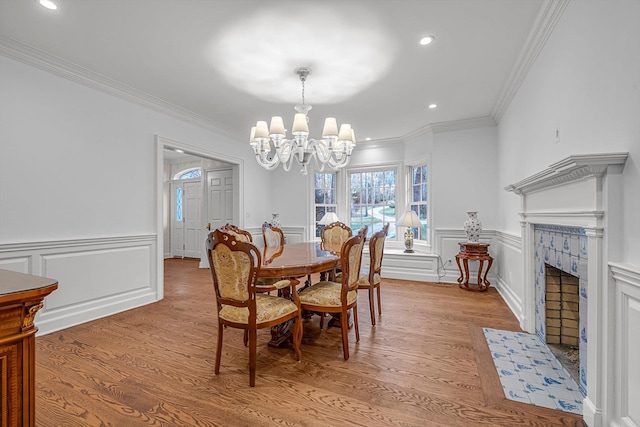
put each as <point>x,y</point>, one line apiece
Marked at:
<point>235,265</point>
<point>370,279</point>
<point>335,234</point>
<point>272,235</point>
<point>334,297</point>
<point>240,234</point>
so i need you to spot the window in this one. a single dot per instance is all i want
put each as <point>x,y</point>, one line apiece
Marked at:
<point>373,200</point>
<point>418,199</point>
<point>325,196</point>
<point>189,174</point>
<point>179,204</point>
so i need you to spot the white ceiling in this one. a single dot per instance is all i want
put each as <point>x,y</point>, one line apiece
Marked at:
<point>228,63</point>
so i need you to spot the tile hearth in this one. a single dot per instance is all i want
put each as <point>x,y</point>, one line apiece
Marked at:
<point>530,373</point>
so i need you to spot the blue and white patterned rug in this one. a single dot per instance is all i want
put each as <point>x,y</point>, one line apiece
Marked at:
<point>530,373</point>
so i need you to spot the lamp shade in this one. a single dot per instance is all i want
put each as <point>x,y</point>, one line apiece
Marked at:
<point>409,219</point>
<point>328,218</point>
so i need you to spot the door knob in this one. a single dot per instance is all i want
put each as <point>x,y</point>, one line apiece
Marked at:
<point>209,226</point>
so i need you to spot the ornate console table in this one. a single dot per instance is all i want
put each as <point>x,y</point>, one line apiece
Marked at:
<point>21,296</point>
<point>475,252</point>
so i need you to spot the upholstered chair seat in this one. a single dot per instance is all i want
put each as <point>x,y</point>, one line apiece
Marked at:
<point>363,280</point>
<point>326,294</point>
<point>268,309</point>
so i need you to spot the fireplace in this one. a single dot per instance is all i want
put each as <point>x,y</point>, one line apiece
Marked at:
<point>570,215</point>
<point>560,262</point>
<point>562,318</point>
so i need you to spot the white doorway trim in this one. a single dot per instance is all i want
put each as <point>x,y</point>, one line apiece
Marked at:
<point>237,165</point>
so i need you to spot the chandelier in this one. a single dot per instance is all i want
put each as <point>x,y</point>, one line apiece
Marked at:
<point>271,146</point>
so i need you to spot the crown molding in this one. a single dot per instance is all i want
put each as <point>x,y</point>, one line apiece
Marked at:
<point>44,61</point>
<point>548,16</point>
<point>573,168</point>
<point>473,123</point>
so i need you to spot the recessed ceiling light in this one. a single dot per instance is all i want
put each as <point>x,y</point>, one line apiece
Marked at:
<point>177,150</point>
<point>427,40</point>
<point>432,106</point>
<point>48,4</point>
<point>367,139</point>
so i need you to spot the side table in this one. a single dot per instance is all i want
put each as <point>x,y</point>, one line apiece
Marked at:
<point>475,252</point>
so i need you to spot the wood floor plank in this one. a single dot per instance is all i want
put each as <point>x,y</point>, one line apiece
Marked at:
<point>424,364</point>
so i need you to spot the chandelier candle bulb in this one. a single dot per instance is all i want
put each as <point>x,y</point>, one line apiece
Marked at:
<point>277,126</point>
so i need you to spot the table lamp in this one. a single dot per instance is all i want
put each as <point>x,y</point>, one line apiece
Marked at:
<point>328,218</point>
<point>410,220</point>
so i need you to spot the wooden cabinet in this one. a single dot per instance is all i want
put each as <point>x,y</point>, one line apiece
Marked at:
<point>21,296</point>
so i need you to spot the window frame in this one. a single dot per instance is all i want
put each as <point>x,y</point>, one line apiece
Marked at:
<point>379,167</point>
<point>327,206</point>
<point>427,243</point>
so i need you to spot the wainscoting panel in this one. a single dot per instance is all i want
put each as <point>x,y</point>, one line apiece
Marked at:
<point>398,265</point>
<point>96,277</point>
<point>508,260</point>
<point>19,264</point>
<point>627,383</point>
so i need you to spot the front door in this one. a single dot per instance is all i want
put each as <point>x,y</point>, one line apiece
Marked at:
<point>186,237</point>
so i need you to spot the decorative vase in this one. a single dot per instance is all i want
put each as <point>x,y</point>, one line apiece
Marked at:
<point>472,226</point>
<point>275,221</point>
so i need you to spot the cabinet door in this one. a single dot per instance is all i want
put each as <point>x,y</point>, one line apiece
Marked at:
<point>10,384</point>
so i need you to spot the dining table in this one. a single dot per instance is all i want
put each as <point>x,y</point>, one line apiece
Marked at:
<point>294,261</point>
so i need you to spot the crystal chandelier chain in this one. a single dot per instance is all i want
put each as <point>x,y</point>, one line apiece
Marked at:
<point>333,149</point>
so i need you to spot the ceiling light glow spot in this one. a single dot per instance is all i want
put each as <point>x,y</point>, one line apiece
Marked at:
<point>177,150</point>
<point>48,4</point>
<point>367,139</point>
<point>433,106</point>
<point>427,40</point>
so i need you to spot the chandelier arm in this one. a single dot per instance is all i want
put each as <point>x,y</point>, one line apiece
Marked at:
<point>337,164</point>
<point>266,163</point>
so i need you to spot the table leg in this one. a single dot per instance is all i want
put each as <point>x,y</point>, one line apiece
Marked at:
<point>480,286</point>
<point>282,332</point>
<point>461,278</point>
<point>486,282</point>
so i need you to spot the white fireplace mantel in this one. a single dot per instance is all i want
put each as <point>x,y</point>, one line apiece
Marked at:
<point>583,191</point>
<point>573,168</point>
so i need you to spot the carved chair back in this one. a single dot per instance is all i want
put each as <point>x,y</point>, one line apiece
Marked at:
<point>240,234</point>
<point>376,249</point>
<point>234,268</point>
<point>351,260</point>
<point>335,234</point>
<point>272,235</point>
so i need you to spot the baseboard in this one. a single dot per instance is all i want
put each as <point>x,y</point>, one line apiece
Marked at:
<point>55,320</point>
<point>591,415</point>
<point>511,299</point>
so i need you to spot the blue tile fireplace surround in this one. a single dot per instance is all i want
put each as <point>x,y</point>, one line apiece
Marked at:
<point>564,248</point>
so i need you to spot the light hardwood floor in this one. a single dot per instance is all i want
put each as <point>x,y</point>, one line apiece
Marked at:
<point>425,364</point>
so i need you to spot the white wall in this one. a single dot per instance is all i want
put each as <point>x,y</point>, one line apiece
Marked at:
<point>78,188</point>
<point>586,83</point>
